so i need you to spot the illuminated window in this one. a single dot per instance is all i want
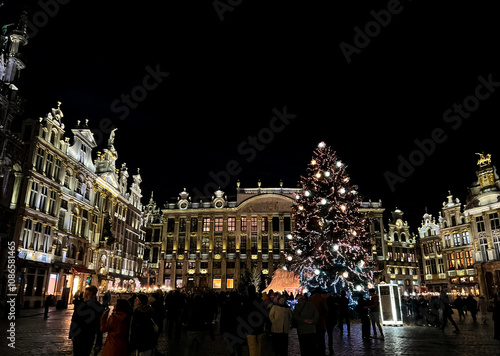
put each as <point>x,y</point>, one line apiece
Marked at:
<point>206,224</point>
<point>495,221</point>
<point>243,223</point>
<point>438,246</point>
<point>264,224</point>
<point>456,239</point>
<point>468,259</point>
<point>451,261</point>
<point>447,241</point>
<point>480,224</point>
<point>218,224</point>
<point>465,237</point>
<point>230,283</point>
<point>254,224</point>
<point>231,224</point>
<point>217,283</point>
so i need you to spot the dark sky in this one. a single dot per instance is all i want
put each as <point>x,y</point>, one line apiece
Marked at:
<point>228,75</point>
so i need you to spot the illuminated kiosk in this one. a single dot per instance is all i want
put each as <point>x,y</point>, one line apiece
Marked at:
<point>390,305</point>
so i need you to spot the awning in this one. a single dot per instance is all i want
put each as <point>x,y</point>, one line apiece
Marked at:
<point>81,269</point>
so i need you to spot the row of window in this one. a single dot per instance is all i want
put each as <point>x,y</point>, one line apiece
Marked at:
<point>400,254</point>
<point>218,224</point>
<point>191,265</point>
<point>494,222</point>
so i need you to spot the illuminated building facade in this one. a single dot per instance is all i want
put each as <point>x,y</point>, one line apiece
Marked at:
<point>78,221</point>
<point>483,211</point>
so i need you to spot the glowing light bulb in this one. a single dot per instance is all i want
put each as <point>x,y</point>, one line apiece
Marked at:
<point>323,201</point>
<point>289,258</point>
<point>335,247</point>
<point>318,175</point>
<point>299,252</point>
<point>321,144</point>
<point>358,288</point>
<point>307,193</point>
<point>345,274</point>
<point>313,162</point>
<point>339,164</point>
<point>316,271</point>
<point>327,174</point>
<point>289,236</point>
<point>342,190</point>
<point>343,208</point>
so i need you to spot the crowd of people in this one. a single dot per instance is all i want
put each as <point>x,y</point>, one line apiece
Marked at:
<point>134,325</point>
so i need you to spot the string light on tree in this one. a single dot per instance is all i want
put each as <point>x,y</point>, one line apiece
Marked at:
<point>330,247</point>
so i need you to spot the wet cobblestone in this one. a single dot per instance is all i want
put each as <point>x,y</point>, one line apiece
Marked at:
<point>38,336</point>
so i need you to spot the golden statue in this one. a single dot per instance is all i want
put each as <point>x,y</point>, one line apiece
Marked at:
<point>483,160</point>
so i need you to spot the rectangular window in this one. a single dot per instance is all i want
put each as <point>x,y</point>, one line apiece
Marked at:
<point>451,261</point>
<point>217,283</point>
<point>206,224</point>
<point>83,153</point>
<point>43,198</point>
<point>440,265</point>
<point>438,246</point>
<point>229,283</point>
<point>276,245</point>
<point>170,225</point>
<point>447,241</point>
<point>264,224</point>
<point>431,247</point>
<point>28,225</point>
<point>170,245</point>
<point>465,237</point>
<point>181,245</point>
<point>276,224</point>
<point>182,225</point>
<point>218,245</point>
<point>460,260</point>
<point>205,245</point>
<point>243,223</point>
<point>52,203</point>
<point>243,244</point>
<point>469,262</point>
<point>47,246</point>
<point>456,239</point>
<point>218,224</point>
<point>192,245</point>
<point>231,224</point>
<point>231,244</point>
<point>33,195</point>
<point>265,245</point>
<point>254,224</point>
<point>253,244</point>
<point>39,159</point>
<point>49,164</point>
<point>194,224</point>
<point>480,224</point>
<point>57,170</point>
<point>495,221</point>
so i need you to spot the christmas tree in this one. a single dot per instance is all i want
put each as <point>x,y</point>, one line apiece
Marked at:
<point>330,246</point>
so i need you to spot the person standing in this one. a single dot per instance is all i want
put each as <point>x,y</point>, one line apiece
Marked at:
<point>459,304</point>
<point>117,327</point>
<point>84,330</point>
<point>306,315</point>
<point>46,304</point>
<point>280,317</point>
<point>332,302</point>
<point>320,303</point>
<point>447,311</point>
<point>253,306</point>
<point>374,314</point>
<point>196,317</point>
<point>344,313</point>
<point>143,329</point>
<point>483,308</point>
<point>362,310</point>
<point>496,315</point>
<point>471,305</point>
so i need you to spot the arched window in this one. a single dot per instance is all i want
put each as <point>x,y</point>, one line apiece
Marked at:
<point>403,237</point>
<point>453,221</point>
<point>396,237</point>
<point>53,138</point>
<point>57,243</point>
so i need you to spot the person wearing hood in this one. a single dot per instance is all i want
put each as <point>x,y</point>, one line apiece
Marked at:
<point>143,329</point>
<point>306,315</point>
<point>280,317</point>
<point>447,311</point>
<point>117,327</point>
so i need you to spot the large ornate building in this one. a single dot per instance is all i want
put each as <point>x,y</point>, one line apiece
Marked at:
<point>483,211</point>
<point>78,221</point>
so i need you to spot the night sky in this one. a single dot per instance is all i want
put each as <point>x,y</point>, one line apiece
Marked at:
<point>193,90</point>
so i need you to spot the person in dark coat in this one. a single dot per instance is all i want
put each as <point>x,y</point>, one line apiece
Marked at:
<point>117,326</point>
<point>447,311</point>
<point>47,303</point>
<point>306,315</point>
<point>253,307</point>
<point>229,315</point>
<point>84,330</point>
<point>344,312</point>
<point>471,305</point>
<point>332,302</point>
<point>496,315</point>
<point>362,309</point>
<point>320,303</point>
<point>459,304</point>
<point>196,318</point>
<point>143,329</point>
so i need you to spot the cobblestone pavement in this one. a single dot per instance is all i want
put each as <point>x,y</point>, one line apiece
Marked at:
<point>38,336</point>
